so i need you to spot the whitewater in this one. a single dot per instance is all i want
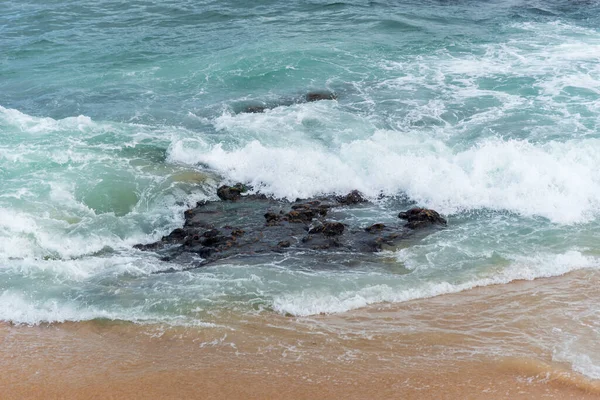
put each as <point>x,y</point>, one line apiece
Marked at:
<point>116,118</point>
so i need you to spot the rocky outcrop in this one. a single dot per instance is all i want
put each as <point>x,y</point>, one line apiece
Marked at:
<point>421,217</point>
<point>309,97</point>
<point>248,225</point>
<point>317,96</point>
<point>231,193</point>
<point>354,197</point>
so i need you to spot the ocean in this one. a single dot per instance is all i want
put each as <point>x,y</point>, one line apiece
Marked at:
<point>116,117</point>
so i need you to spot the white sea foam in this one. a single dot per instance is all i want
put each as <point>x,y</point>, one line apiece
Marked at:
<point>36,125</point>
<point>311,302</point>
<point>20,309</point>
<point>580,362</point>
<point>557,180</point>
<point>55,209</point>
<point>574,351</point>
<point>468,163</point>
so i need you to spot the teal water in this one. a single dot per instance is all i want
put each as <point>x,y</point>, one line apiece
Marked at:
<point>117,116</point>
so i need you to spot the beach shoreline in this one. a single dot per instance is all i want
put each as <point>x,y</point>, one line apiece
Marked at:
<point>421,349</point>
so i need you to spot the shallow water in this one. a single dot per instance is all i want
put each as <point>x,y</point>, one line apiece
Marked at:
<point>115,118</point>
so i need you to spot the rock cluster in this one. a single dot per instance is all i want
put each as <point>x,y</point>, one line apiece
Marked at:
<point>246,225</point>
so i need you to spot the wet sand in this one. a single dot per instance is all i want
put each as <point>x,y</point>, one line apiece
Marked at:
<point>487,343</point>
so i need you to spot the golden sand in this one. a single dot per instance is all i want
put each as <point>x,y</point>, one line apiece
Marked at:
<point>487,343</point>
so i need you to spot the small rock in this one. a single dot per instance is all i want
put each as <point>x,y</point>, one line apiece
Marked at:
<point>354,197</point>
<point>375,228</point>
<point>316,227</point>
<point>272,218</point>
<point>284,244</point>
<point>329,228</point>
<point>211,233</point>
<point>237,232</point>
<point>333,228</point>
<point>317,96</point>
<point>231,193</point>
<point>421,217</point>
<point>300,215</point>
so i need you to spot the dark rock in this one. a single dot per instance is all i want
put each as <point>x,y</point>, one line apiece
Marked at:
<point>354,197</point>
<point>300,215</point>
<point>231,193</point>
<point>237,232</point>
<point>333,228</point>
<point>421,217</point>
<point>329,228</point>
<point>315,227</point>
<point>149,246</point>
<point>272,218</point>
<point>313,206</point>
<point>375,228</point>
<point>253,225</point>
<point>211,233</point>
<point>317,96</point>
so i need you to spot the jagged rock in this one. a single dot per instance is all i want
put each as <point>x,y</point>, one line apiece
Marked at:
<point>354,197</point>
<point>329,228</point>
<point>252,225</point>
<point>272,218</point>
<point>300,215</point>
<point>421,217</point>
<point>231,193</point>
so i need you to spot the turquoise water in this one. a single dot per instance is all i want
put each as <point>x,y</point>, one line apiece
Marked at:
<point>115,117</point>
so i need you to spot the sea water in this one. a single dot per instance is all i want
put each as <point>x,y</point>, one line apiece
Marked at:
<point>117,116</point>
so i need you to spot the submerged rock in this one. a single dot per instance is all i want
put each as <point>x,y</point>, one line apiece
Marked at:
<point>317,96</point>
<point>375,228</point>
<point>254,109</point>
<point>254,224</point>
<point>258,106</point>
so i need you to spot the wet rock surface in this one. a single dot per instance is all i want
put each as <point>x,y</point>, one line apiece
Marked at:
<point>309,97</point>
<point>322,95</point>
<point>248,225</point>
<point>421,217</point>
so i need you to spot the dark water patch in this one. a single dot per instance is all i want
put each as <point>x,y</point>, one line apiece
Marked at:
<point>394,25</point>
<point>540,11</point>
<point>331,6</point>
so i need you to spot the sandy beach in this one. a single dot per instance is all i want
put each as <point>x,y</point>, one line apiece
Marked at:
<point>479,344</point>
